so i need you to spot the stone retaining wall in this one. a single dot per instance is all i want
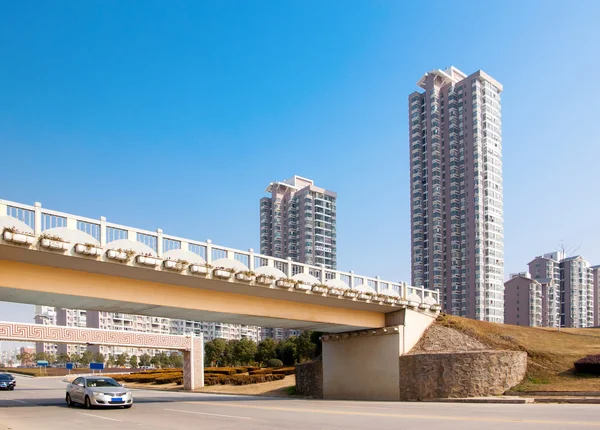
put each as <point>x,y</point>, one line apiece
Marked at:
<point>460,374</point>
<point>309,379</point>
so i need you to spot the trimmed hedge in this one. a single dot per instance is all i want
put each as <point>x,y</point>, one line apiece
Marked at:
<point>285,371</point>
<point>241,379</point>
<point>222,370</point>
<point>589,365</point>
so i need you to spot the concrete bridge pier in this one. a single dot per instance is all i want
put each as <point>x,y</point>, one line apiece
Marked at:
<point>364,365</point>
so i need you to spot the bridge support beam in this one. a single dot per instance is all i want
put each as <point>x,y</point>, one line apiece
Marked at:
<point>365,365</point>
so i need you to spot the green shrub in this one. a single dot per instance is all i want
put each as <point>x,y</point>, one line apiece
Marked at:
<point>274,362</point>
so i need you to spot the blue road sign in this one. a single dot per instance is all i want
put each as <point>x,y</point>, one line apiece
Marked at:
<point>97,366</point>
<point>69,366</point>
<point>42,363</point>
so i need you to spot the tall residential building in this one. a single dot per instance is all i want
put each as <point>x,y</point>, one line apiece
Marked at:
<point>596,292</point>
<point>457,226</point>
<point>45,315</point>
<point>546,270</point>
<point>577,290</point>
<point>299,221</point>
<point>523,297</point>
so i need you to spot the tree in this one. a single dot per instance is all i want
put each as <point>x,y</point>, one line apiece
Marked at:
<point>62,358</point>
<point>244,351</point>
<point>133,361</point>
<point>176,359</point>
<point>99,358</point>
<point>11,363</point>
<point>315,337</point>
<point>122,359</point>
<point>145,360</point>
<point>286,351</point>
<point>164,360</point>
<point>305,348</point>
<point>214,352</point>
<point>76,358</point>
<point>25,358</point>
<point>266,350</point>
<point>110,361</point>
<point>86,358</point>
<point>40,356</point>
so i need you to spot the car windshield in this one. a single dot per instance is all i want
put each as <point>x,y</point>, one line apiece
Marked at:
<point>5,378</point>
<point>107,382</point>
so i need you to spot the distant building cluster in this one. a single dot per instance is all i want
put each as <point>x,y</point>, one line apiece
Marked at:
<point>118,321</point>
<point>556,291</point>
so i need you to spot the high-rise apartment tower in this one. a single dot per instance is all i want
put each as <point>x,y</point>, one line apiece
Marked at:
<point>298,221</point>
<point>456,191</point>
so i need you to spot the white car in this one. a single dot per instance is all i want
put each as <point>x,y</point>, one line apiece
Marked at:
<point>93,391</point>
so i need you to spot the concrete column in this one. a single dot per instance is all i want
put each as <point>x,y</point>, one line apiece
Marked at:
<point>251,259</point>
<point>37,228</point>
<point>208,251</point>
<point>193,364</point>
<point>159,242</point>
<point>102,231</point>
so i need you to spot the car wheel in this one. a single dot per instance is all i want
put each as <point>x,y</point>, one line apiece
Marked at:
<point>69,401</point>
<point>12,388</point>
<point>88,403</point>
<point>127,406</point>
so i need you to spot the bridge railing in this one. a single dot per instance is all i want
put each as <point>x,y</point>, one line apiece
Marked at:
<point>41,219</point>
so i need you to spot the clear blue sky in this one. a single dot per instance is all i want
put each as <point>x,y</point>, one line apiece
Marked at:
<point>196,106</point>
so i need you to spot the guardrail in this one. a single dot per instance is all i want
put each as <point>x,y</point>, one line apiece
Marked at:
<point>159,249</point>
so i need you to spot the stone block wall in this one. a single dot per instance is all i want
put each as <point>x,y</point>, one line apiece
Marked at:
<point>460,374</point>
<point>309,379</point>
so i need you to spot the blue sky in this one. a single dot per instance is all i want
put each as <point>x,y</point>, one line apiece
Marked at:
<point>196,106</point>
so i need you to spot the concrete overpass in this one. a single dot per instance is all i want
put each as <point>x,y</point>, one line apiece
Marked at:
<point>59,259</point>
<point>63,260</point>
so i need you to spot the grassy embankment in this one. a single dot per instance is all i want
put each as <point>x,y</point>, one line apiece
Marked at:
<point>550,353</point>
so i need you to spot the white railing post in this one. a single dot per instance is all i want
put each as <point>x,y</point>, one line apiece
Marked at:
<point>404,291</point>
<point>159,242</point>
<point>102,231</point>
<point>37,217</point>
<point>208,251</point>
<point>270,262</point>
<point>422,293</point>
<point>230,255</point>
<point>251,259</point>
<point>378,284</point>
<point>132,235</point>
<point>185,246</point>
<point>3,209</point>
<point>351,279</point>
<point>323,278</point>
<point>289,267</point>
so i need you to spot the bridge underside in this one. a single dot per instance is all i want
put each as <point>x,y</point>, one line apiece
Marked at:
<point>44,278</point>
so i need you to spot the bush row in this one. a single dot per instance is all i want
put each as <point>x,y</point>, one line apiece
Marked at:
<point>588,365</point>
<point>269,371</point>
<point>240,379</point>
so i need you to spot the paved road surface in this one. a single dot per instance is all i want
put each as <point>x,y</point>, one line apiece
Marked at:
<point>38,404</point>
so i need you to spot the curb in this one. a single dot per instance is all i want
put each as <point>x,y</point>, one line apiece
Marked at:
<point>490,400</point>
<point>580,401</point>
<point>553,393</point>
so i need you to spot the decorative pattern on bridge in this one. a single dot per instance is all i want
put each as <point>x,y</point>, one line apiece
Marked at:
<point>57,334</point>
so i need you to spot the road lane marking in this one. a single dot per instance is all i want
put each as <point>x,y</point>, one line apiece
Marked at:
<point>415,416</point>
<point>20,401</point>
<point>98,416</point>
<point>206,413</point>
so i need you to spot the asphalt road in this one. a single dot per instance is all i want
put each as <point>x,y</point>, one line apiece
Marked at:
<point>39,404</point>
